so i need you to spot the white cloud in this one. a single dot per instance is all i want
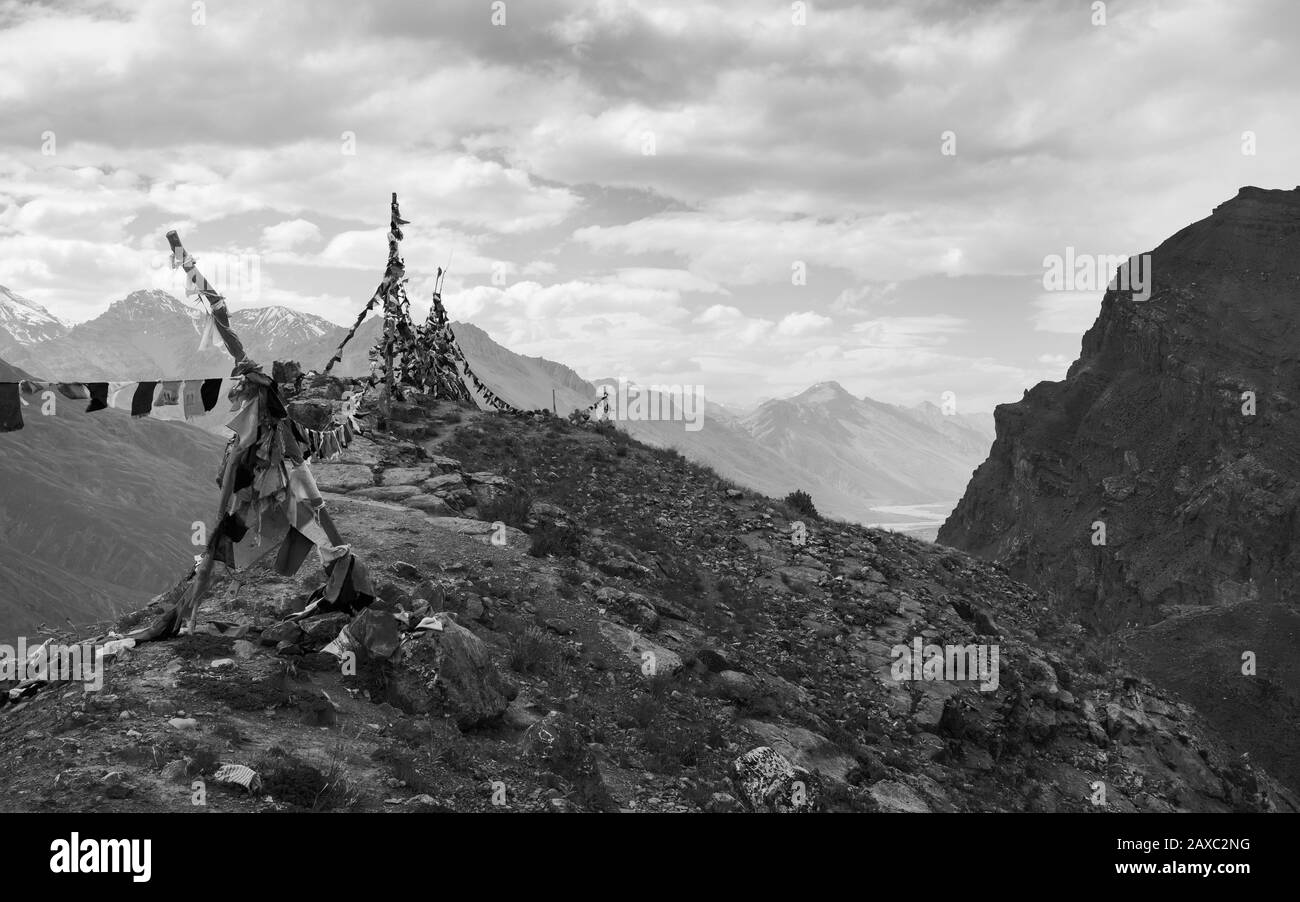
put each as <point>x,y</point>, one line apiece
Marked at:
<point>518,151</point>
<point>1070,312</point>
<point>290,234</point>
<point>908,331</point>
<point>796,324</point>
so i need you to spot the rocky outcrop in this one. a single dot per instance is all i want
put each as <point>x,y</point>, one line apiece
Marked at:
<point>1154,435</point>
<point>449,671</point>
<point>1163,474</point>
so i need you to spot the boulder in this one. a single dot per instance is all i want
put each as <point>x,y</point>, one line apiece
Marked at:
<point>448,672</point>
<point>287,631</point>
<point>361,451</point>
<point>403,476</point>
<point>314,413</point>
<point>432,505</point>
<point>802,747</point>
<point>388,492</point>
<point>492,479</point>
<point>766,781</point>
<point>893,796</point>
<point>442,483</point>
<point>459,498</point>
<point>481,530</point>
<point>639,650</point>
<point>342,477</point>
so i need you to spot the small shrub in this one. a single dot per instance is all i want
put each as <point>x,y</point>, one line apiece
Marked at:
<point>533,651</point>
<point>801,502</point>
<point>511,508</point>
<point>554,538</point>
<point>659,685</point>
<point>646,709</point>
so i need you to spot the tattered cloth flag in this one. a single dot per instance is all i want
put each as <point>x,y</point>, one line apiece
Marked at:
<point>168,394</point>
<point>394,275</point>
<point>210,392</point>
<point>169,399</point>
<point>239,775</point>
<point>11,407</point>
<point>98,396</point>
<point>142,402</point>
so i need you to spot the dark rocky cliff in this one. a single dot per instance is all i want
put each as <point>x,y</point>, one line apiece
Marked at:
<point>1147,434</point>
<point>1151,434</point>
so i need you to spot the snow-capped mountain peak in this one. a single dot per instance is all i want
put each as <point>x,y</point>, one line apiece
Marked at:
<point>281,323</point>
<point>25,322</point>
<point>147,304</point>
<point>823,393</point>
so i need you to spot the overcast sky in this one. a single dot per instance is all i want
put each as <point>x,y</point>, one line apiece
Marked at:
<point>521,153</point>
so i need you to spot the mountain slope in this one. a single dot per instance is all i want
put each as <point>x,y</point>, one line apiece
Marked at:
<point>96,511</point>
<point>1152,434</point>
<point>10,373</point>
<point>871,454</point>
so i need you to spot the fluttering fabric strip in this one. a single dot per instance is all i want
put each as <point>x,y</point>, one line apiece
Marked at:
<point>170,399</point>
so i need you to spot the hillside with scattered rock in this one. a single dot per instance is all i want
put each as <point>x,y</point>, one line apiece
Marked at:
<point>569,620</point>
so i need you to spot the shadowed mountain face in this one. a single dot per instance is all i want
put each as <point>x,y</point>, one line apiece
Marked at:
<point>1176,430</point>
<point>96,510</point>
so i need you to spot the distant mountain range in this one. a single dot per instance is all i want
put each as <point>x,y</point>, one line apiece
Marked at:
<point>148,335</point>
<point>860,459</point>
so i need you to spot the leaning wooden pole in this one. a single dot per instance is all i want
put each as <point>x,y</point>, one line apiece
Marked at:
<point>186,610</point>
<point>195,282</point>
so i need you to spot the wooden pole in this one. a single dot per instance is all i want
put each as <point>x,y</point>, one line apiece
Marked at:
<point>188,607</point>
<point>205,290</point>
<point>390,303</point>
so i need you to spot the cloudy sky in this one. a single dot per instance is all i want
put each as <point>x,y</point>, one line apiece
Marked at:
<point>752,196</point>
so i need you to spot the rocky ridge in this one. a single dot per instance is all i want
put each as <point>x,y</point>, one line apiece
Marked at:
<point>608,627</point>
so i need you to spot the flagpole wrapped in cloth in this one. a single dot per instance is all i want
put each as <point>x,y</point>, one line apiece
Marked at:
<point>266,487</point>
